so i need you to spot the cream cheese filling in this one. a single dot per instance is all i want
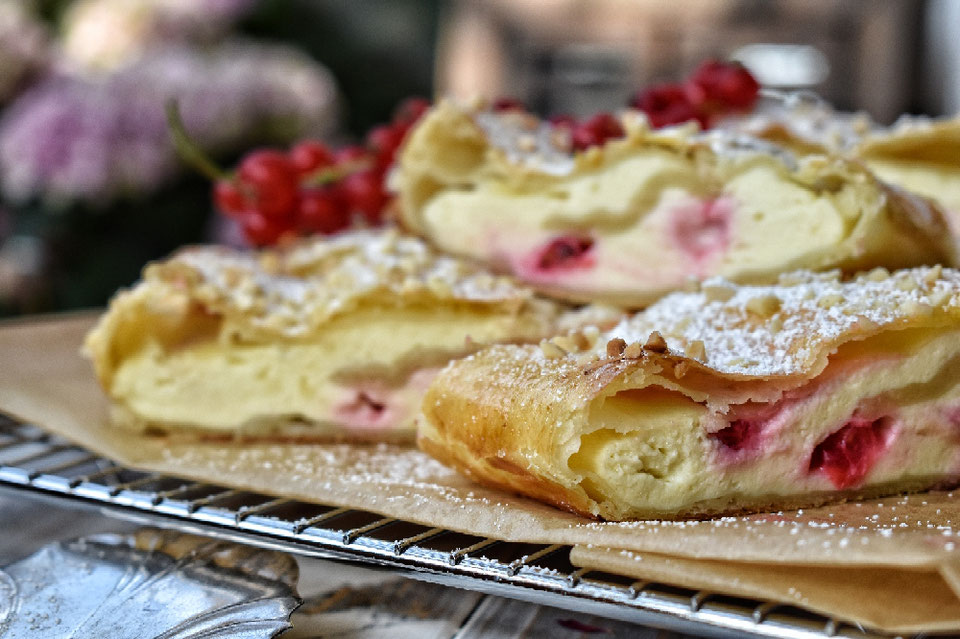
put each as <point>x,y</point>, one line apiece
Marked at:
<point>655,449</point>
<point>631,212</point>
<point>374,352</point>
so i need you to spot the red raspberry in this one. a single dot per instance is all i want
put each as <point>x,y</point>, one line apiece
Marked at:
<point>272,183</point>
<point>364,193</point>
<point>720,86</point>
<point>229,199</point>
<point>309,156</point>
<point>564,252</point>
<point>847,455</point>
<point>666,104</point>
<point>596,131</point>
<point>320,211</point>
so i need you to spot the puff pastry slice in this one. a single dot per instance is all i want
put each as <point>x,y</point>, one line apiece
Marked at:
<point>328,338</point>
<point>729,399</point>
<point>636,218</point>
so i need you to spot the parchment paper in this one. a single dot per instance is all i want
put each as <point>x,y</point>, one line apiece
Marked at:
<point>44,380</point>
<point>890,599</point>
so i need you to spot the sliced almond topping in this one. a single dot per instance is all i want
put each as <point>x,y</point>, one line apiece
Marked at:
<point>615,347</point>
<point>656,343</point>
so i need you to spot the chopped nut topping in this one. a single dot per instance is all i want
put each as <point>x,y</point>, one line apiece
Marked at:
<point>775,324</point>
<point>931,276</point>
<point>527,143</point>
<point>911,307</point>
<point>907,283</point>
<point>551,350</point>
<point>569,343</point>
<point>717,292</point>
<point>878,274</point>
<point>633,351</point>
<point>681,369</point>
<point>656,343</point>
<point>615,347</point>
<point>764,306</point>
<point>696,350</point>
<point>560,139</point>
<point>830,300</point>
<point>691,285</point>
<point>592,334</point>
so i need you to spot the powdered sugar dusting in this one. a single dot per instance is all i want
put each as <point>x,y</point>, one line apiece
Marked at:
<point>292,291</point>
<point>783,329</point>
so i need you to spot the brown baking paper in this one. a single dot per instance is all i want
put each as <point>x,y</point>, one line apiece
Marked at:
<point>885,598</point>
<point>44,380</point>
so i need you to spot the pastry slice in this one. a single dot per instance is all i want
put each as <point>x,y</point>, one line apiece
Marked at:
<point>921,155</point>
<point>328,339</point>
<point>637,217</point>
<point>724,400</point>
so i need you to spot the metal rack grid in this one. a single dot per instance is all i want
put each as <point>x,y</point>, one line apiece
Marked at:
<point>32,460</point>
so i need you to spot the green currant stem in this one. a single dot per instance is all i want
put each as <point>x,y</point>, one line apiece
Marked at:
<point>334,173</point>
<point>188,150</point>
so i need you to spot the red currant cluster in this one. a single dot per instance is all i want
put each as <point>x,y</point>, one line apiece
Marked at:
<point>312,188</point>
<point>715,89</point>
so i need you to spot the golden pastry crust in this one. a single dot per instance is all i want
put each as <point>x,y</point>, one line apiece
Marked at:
<point>462,166</point>
<point>347,322</point>
<point>516,416</point>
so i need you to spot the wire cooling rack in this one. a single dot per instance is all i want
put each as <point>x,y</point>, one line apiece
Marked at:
<point>41,464</point>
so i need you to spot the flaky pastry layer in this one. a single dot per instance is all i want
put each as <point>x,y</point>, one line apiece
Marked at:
<point>731,398</point>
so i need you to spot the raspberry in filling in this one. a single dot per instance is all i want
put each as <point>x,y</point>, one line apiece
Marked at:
<point>847,455</point>
<point>741,434</point>
<point>364,410</point>
<point>701,228</point>
<point>565,253</point>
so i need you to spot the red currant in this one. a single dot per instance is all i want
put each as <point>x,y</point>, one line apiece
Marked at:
<point>309,156</point>
<point>228,199</point>
<point>363,192</point>
<point>507,104</point>
<point>384,141</point>
<point>272,182</point>
<point>722,86</point>
<point>563,120</point>
<point>595,131</point>
<point>261,230</point>
<point>667,104</point>
<point>350,154</point>
<point>320,211</point>
<point>410,110</point>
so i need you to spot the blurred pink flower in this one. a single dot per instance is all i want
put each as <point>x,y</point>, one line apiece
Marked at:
<point>68,139</point>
